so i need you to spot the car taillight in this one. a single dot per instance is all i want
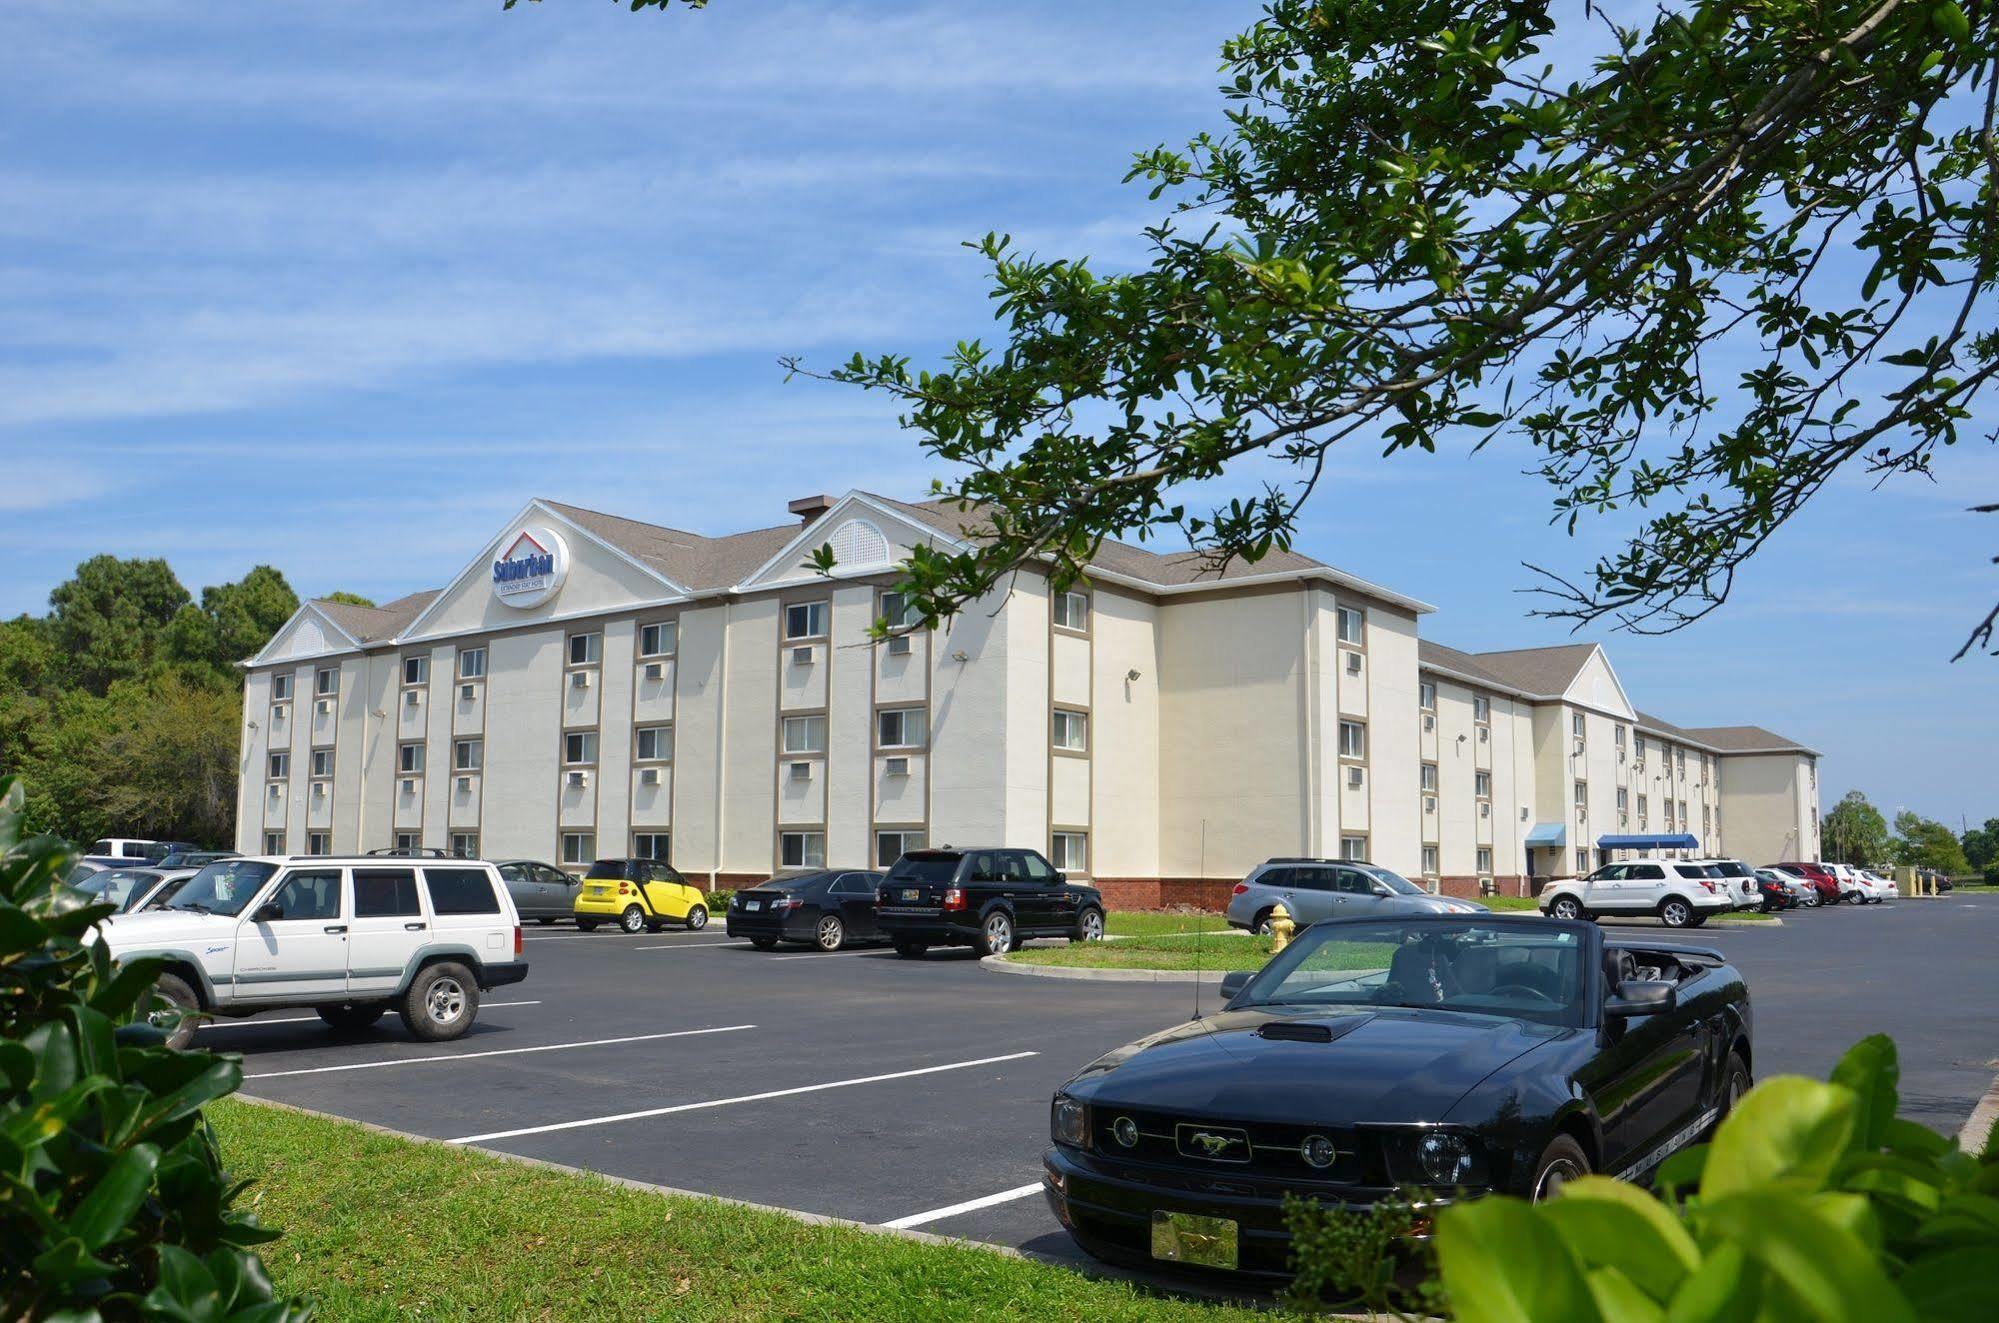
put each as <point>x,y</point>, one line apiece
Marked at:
<point>954,898</point>
<point>519,945</point>
<point>1709,885</point>
<point>624,888</point>
<point>1240,888</point>
<point>786,903</point>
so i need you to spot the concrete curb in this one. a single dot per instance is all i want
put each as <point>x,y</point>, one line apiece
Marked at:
<point>999,964</point>
<point>1979,1126</point>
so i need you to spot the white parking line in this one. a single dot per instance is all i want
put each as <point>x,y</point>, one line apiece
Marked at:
<point>822,955</point>
<point>501,1052</point>
<point>731,1102</point>
<point>969,1206</point>
<point>724,945</point>
<point>314,1019</point>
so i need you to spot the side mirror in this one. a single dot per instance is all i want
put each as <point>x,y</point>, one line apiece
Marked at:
<point>1382,889</point>
<point>1639,997</point>
<point>1235,981</point>
<point>267,912</point>
<point>1061,878</point>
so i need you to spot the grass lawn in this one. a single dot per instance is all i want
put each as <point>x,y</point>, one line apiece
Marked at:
<point>1163,951</point>
<point>1150,923</point>
<point>377,1227</point>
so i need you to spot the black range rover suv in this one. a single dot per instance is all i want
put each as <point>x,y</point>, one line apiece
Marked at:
<point>989,899</point>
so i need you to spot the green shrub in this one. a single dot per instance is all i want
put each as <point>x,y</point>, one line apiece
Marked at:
<point>113,1201</point>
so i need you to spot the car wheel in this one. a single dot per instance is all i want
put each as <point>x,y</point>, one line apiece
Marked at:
<point>1565,907</point>
<point>764,943</point>
<point>910,950</point>
<point>1856,898</point>
<point>352,1019</point>
<point>441,1002</point>
<point>1674,912</point>
<point>633,920</point>
<point>1734,1083</point>
<point>545,921</point>
<point>586,925</point>
<point>831,934</point>
<point>996,934</point>
<point>1089,926</point>
<point>1262,925</point>
<point>1561,1162</point>
<point>178,1018</point>
<point>697,918</point>
<point>1697,921</point>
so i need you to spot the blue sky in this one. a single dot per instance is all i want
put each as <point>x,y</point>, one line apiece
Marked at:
<point>340,286</point>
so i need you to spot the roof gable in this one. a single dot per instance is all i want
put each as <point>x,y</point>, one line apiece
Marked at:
<point>311,632</point>
<point>869,534</point>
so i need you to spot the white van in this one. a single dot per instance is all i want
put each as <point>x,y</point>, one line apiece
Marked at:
<point>352,937</point>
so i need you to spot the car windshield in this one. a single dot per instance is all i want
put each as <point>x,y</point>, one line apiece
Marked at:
<point>119,885</point>
<point>925,868</point>
<point>223,888</point>
<point>609,868</point>
<point>1397,883</point>
<point>1512,967</point>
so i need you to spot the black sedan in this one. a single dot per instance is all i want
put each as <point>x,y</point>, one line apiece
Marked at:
<point>1444,1056</point>
<point>828,909</point>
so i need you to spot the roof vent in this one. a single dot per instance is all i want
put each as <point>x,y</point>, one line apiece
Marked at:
<point>809,508</point>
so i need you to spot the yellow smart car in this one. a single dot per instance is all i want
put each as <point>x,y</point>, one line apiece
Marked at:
<point>639,895</point>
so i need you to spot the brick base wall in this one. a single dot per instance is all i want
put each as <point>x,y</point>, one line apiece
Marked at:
<point>1160,893</point>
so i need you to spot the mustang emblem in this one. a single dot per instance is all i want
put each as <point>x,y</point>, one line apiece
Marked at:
<point>1218,1143</point>
<point>1214,1144</point>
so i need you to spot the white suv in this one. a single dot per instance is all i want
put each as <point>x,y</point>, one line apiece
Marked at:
<point>351,937</point>
<point>1679,891</point>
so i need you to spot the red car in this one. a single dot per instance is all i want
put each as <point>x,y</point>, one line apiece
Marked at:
<point>1818,875</point>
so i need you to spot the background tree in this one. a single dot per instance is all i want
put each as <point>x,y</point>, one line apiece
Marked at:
<point>1854,832</point>
<point>1692,267</point>
<point>352,599</point>
<point>1981,845</point>
<point>233,622</point>
<point>108,621</point>
<point>1926,844</point>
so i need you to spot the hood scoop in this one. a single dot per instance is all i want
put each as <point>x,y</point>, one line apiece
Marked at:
<point>1311,1031</point>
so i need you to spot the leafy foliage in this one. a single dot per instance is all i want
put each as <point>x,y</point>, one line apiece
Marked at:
<point>1854,832</point>
<point>113,1201</point>
<point>1981,845</point>
<point>1694,267</point>
<point>1926,843</point>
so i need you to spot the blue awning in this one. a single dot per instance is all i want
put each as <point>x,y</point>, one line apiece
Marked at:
<point>1548,833</point>
<point>1677,841</point>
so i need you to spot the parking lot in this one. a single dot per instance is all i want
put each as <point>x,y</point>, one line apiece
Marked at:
<point>915,1093</point>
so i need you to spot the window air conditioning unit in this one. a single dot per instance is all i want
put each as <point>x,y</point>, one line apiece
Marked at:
<point>655,670</point>
<point>1353,777</point>
<point>895,767</point>
<point>409,785</point>
<point>1353,663</point>
<point>1620,755</point>
<point>801,771</point>
<point>465,783</point>
<point>1429,803</point>
<point>324,705</point>
<point>802,656</point>
<point>277,790</point>
<point>580,680</point>
<point>1485,810</point>
<point>578,779</point>
<point>1579,748</point>
<point>467,692</point>
<point>1484,734</point>
<point>648,776</point>
<point>899,646</point>
<point>1429,722</point>
<point>319,790</point>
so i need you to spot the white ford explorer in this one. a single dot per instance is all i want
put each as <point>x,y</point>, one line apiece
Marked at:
<point>350,937</point>
<point>1679,891</point>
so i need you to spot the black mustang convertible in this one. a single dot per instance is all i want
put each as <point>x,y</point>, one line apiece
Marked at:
<point>1434,1057</point>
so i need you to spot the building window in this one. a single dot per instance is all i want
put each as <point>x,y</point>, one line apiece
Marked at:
<point>1684,819</point>
<point>1353,739</point>
<point>1619,733</point>
<point>318,842</point>
<point>408,841</point>
<point>897,611</point>
<point>1623,799</point>
<point>472,664</point>
<point>1577,725</point>
<point>1072,611</point>
<point>1430,778</point>
<point>1638,748</point>
<point>1680,763</point>
<point>579,847</point>
<point>1485,859</point>
<point>281,686</point>
<point>1481,784</point>
<point>1071,730</point>
<point>1353,849</point>
<point>801,849</point>
<point>280,766</point>
<point>585,649</point>
<point>900,728</point>
<point>655,744</point>
<point>1352,625</point>
<point>1582,860</point>
<point>805,734</point>
<point>326,681</point>
<point>274,842</point>
<point>1644,810</point>
<point>652,845</point>
<point>1481,708</point>
<point>409,759</point>
<point>893,845</point>
<point>579,748</point>
<point>465,844</point>
<point>1070,851</point>
<point>468,755</point>
<point>1582,796</point>
<point>659,639</point>
<point>322,763</point>
<point>1426,695</point>
<point>1430,860</point>
<point>805,620</point>
<point>416,670</point>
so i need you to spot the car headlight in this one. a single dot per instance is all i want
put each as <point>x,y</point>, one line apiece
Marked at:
<point>1069,1122</point>
<point>1446,1158</point>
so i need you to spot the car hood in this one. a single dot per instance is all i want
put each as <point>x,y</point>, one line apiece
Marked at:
<point>1381,1065</point>
<point>1441,905</point>
<point>163,928</point>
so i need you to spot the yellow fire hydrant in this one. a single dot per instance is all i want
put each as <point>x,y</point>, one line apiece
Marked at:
<point>1281,928</point>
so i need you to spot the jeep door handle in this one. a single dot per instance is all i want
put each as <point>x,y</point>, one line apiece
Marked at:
<point>413,927</point>
<point>336,928</point>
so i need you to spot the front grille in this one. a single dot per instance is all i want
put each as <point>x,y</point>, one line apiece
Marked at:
<point>1223,1147</point>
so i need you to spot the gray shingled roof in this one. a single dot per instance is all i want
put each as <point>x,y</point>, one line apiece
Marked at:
<point>375,624</point>
<point>1546,671</point>
<point>689,559</point>
<point>1743,739</point>
<point>1461,663</point>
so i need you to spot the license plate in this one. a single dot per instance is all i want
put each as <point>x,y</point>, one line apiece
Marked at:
<point>1205,1242</point>
<point>754,905</point>
<point>909,893</point>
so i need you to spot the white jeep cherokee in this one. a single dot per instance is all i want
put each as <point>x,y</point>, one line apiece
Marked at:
<point>1679,891</point>
<point>351,937</point>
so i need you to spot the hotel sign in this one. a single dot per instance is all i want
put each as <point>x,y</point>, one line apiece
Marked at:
<point>531,568</point>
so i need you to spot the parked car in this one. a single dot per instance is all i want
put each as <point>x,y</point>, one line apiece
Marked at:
<point>988,899</point>
<point>1738,879</point>
<point>639,895</point>
<point>1822,880</point>
<point>83,868</point>
<point>829,909</point>
<point>410,852</point>
<point>1680,892</point>
<point>1452,1056</point>
<point>541,892</point>
<point>352,937</point>
<point>1315,889</point>
<point>194,858</point>
<point>1781,891</point>
<point>133,849</point>
<point>1877,887</point>
<point>131,889</point>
